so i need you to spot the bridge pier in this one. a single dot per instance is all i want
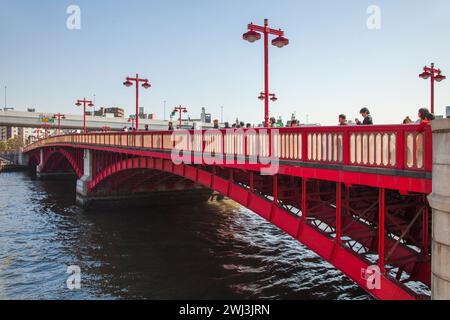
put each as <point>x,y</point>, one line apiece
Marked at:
<point>148,199</point>
<point>440,202</point>
<point>22,159</point>
<point>82,183</point>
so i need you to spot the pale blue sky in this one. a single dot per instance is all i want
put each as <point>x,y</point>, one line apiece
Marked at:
<point>194,55</point>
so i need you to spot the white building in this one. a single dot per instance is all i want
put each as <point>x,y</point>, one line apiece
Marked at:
<point>28,135</point>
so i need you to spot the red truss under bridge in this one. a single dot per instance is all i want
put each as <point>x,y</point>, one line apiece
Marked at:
<point>355,195</point>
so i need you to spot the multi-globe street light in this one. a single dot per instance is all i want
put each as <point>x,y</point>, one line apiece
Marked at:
<point>280,41</point>
<point>181,110</point>
<point>59,116</point>
<point>132,120</point>
<point>145,84</point>
<point>435,75</point>
<point>84,103</point>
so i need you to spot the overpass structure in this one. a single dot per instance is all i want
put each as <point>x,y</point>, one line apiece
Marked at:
<point>75,122</point>
<point>355,195</point>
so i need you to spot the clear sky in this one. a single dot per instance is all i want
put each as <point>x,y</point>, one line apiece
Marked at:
<point>193,53</point>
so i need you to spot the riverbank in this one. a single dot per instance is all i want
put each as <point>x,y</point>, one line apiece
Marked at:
<point>12,168</point>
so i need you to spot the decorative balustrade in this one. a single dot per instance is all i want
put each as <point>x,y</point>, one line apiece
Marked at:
<point>400,147</point>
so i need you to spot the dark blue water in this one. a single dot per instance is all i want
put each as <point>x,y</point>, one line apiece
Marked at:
<point>216,250</point>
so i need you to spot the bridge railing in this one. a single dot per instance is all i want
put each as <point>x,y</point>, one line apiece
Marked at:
<point>401,147</point>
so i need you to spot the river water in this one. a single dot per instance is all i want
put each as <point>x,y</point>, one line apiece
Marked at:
<point>216,250</point>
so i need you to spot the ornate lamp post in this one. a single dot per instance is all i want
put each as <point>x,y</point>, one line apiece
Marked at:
<point>145,84</point>
<point>59,116</point>
<point>181,110</point>
<point>84,103</point>
<point>280,41</point>
<point>434,75</point>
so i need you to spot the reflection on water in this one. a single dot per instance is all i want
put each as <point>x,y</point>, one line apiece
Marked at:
<point>214,250</point>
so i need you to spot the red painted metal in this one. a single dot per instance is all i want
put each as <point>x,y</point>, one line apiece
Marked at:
<point>145,84</point>
<point>180,110</point>
<point>84,102</point>
<point>59,116</point>
<point>338,212</point>
<point>381,229</point>
<point>336,253</point>
<point>266,30</point>
<point>434,75</point>
<point>132,120</point>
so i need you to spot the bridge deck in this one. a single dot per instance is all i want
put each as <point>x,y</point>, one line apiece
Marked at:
<point>396,156</point>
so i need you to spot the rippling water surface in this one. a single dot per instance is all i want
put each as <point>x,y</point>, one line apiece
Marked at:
<point>215,250</point>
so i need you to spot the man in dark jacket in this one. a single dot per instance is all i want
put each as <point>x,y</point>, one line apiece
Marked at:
<point>367,117</point>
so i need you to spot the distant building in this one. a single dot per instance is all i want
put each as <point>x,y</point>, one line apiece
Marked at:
<point>117,112</point>
<point>7,132</point>
<point>114,112</point>
<point>205,117</point>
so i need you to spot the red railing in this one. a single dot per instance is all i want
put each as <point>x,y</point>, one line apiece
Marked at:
<point>400,147</point>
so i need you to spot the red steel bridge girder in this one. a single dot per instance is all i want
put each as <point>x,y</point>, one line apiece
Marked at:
<point>227,181</point>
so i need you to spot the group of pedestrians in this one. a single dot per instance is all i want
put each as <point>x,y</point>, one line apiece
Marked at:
<point>364,112</point>
<point>424,116</point>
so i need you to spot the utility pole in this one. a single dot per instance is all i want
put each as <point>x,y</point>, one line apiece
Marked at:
<point>93,112</point>
<point>221,114</point>
<point>165,110</point>
<point>5,97</point>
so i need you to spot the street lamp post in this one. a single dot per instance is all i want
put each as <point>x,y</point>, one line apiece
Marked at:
<point>434,75</point>
<point>181,110</point>
<point>131,119</point>
<point>83,103</point>
<point>59,116</point>
<point>6,88</point>
<point>145,84</point>
<point>280,41</point>
<point>165,102</point>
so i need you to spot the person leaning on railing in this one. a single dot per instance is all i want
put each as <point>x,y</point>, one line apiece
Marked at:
<point>367,117</point>
<point>425,117</point>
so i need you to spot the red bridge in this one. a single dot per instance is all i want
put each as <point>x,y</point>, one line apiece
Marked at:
<point>356,196</point>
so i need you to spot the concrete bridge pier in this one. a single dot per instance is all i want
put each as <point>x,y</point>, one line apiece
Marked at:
<point>82,183</point>
<point>39,167</point>
<point>440,202</point>
<point>22,159</point>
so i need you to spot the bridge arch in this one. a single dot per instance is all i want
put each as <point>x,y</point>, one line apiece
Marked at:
<point>34,159</point>
<point>75,163</point>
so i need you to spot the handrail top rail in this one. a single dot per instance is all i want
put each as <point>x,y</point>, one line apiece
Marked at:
<point>350,128</point>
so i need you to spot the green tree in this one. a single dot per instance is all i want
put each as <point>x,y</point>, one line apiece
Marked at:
<point>14,144</point>
<point>3,146</point>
